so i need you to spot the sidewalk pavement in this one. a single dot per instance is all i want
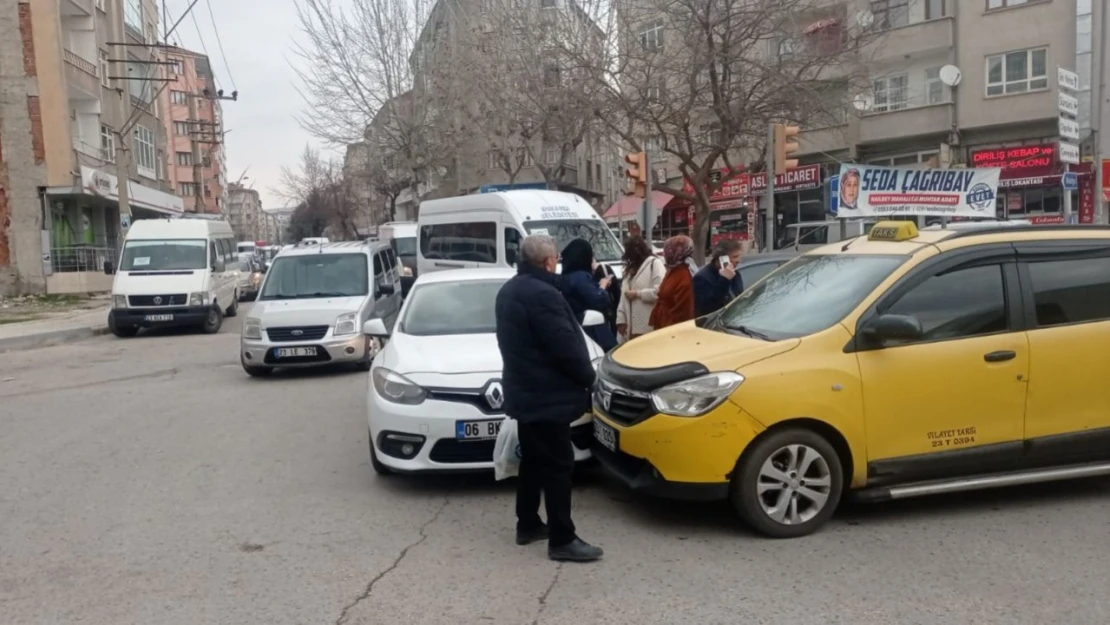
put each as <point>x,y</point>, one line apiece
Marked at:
<point>60,328</point>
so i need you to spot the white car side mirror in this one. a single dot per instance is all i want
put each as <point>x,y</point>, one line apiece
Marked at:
<point>593,318</point>
<point>375,327</point>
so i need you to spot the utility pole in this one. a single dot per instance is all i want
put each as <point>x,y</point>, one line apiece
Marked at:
<point>198,172</point>
<point>769,198</point>
<point>123,112</point>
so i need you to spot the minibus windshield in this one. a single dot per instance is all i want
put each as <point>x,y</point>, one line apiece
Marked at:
<point>164,255</point>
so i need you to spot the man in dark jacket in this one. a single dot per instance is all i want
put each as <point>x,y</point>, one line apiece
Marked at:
<point>716,285</point>
<point>547,378</point>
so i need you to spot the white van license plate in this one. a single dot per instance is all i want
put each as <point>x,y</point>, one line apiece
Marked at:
<point>158,318</point>
<point>605,435</point>
<point>477,430</point>
<point>296,352</point>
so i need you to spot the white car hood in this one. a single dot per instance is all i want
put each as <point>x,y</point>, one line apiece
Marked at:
<point>294,312</point>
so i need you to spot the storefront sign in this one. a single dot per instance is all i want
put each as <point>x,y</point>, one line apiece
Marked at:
<point>96,182</point>
<point>867,191</point>
<point>1045,219</point>
<point>1087,201</point>
<point>797,179</point>
<point>1019,159</point>
<point>739,185</point>
<point>1069,153</point>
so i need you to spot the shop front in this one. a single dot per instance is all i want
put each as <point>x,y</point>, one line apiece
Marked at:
<point>83,228</point>
<point>1031,183</point>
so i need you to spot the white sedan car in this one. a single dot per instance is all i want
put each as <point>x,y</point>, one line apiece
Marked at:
<point>435,397</point>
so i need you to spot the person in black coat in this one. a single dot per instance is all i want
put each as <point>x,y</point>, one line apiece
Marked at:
<point>586,292</point>
<point>547,378</point>
<point>714,285</point>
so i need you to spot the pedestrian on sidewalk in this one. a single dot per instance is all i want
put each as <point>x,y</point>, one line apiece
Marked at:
<point>546,379</point>
<point>643,272</point>
<point>585,292</point>
<point>717,283</point>
<point>676,293</point>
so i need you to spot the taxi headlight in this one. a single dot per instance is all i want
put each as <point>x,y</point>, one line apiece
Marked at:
<point>696,396</point>
<point>396,388</point>
<point>345,324</point>
<point>252,329</point>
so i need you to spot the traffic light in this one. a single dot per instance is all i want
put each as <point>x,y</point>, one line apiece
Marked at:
<point>785,145</point>
<point>637,172</point>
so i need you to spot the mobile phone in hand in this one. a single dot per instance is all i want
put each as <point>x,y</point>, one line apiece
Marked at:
<point>724,261</point>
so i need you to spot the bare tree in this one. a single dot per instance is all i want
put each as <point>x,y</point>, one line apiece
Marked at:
<point>698,81</point>
<point>321,194</point>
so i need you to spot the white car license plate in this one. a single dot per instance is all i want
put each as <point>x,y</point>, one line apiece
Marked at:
<point>477,430</point>
<point>295,352</point>
<point>158,318</point>
<point>605,435</point>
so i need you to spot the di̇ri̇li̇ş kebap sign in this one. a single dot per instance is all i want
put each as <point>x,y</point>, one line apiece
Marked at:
<point>869,191</point>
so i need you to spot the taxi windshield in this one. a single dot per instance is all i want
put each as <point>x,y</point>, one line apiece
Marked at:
<point>806,295</point>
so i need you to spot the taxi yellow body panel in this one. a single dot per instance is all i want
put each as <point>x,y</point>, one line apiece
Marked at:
<point>691,450</point>
<point>686,342</point>
<point>1069,379</point>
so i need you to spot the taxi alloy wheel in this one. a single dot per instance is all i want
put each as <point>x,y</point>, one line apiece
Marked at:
<point>788,484</point>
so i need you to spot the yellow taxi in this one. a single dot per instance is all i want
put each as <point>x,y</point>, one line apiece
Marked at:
<point>898,364</point>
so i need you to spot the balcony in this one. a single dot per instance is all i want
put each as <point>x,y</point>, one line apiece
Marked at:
<point>905,123</point>
<point>77,8</point>
<point>918,39</point>
<point>82,75</point>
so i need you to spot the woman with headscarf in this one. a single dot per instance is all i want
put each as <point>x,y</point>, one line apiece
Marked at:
<point>643,273</point>
<point>583,292</point>
<point>675,302</point>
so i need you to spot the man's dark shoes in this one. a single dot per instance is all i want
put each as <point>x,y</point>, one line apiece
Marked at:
<point>533,535</point>
<point>577,550</point>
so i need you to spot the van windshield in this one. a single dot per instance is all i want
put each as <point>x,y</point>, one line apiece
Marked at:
<point>405,246</point>
<point>164,255</point>
<point>605,245</point>
<point>316,275</point>
<point>806,295</point>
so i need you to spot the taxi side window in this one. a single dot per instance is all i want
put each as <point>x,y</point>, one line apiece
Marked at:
<point>957,304</point>
<point>1071,291</point>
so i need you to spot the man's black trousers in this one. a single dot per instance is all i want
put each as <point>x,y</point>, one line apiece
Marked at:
<point>547,466</point>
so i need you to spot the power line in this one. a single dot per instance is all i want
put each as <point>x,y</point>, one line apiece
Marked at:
<point>220,43</point>
<point>196,25</point>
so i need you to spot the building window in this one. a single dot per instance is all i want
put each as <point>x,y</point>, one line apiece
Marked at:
<point>175,67</point>
<point>934,88</point>
<point>713,135</point>
<point>548,4</point>
<point>552,76</point>
<point>185,159</point>
<point>207,191</point>
<point>935,9</point>
<point>133,14</point>
<point>145,152</point>
<point>654,93</point>
<point>107,144</point>
<point>1001,4</point>
<point>524,158</point>
<point>651,39</point>
<point>551,156</point>
<point>105,68</point>
<point>161,165</point>
<point>891,13</point>
<point>889,93</point>
<point>494,161</point>
<point>1017,72</point>
<point>187,189</point>
<point>179,97</point>
<point>181,128</point>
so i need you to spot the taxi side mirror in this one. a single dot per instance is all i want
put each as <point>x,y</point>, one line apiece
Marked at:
<point>892,328</point>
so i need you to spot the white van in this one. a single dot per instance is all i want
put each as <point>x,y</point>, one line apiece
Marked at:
<point>174,272</point>
<point>401,236</point>
<point>245,247</point>
<point>486,229</point>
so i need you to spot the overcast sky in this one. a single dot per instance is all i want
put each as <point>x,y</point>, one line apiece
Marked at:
<point>257,36</point>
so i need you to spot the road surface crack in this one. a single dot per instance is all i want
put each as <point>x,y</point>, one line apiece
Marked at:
<point>543,597</point>
<point>396,563</point>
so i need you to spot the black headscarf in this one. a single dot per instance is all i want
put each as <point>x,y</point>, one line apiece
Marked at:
<point>578,255</point>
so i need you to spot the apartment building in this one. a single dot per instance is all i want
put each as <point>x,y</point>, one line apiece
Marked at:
<point>193,123</point>
<point>76,109</point>
<point>244,213</point>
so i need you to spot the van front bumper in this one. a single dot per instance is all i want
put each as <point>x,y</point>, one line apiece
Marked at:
<point>329,350</point>
<point>157,317</point>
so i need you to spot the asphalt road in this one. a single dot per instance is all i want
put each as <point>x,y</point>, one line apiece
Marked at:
<point>150,481</point>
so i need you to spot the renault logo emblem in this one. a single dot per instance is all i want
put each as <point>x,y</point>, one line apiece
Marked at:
<point>157,300</point>
<point>494,395</point>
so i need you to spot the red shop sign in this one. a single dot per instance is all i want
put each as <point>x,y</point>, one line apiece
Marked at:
<point>1023,158</point>
<point>804,177</point>
<point>737,186</point>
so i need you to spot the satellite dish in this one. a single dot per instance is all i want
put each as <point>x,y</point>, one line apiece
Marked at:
<point>862,102</point>
<point>865,19</point>
<point>950,75</point>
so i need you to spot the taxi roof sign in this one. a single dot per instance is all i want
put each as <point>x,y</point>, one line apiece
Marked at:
<point>893,231</point>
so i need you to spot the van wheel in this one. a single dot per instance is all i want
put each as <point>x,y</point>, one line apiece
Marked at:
<point>788,484</point>
<point>124,332</point>
<point>234,308</point>
<point>213,321</point>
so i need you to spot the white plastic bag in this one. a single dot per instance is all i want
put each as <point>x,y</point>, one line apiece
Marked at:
<point>506,451</point>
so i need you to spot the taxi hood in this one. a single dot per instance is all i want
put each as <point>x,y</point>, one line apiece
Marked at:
<point>716,350</point>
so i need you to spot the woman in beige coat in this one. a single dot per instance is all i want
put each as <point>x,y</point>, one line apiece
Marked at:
<point>643,272</point>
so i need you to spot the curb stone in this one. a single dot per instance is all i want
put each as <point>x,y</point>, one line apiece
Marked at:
<point>53,337</point>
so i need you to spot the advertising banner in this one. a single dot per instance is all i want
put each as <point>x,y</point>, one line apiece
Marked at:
<point>871,191</point>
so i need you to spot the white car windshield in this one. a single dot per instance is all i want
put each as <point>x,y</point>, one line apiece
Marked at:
<point>452,308</point>
<point>605,245</point>
<point>165,255</point>
<point>316,275</point>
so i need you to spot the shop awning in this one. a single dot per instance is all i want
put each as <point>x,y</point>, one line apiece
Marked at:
<point>628,207</point>
<point>96,183</point>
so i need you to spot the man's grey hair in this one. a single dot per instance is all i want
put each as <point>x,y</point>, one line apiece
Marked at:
<point>537,248</point>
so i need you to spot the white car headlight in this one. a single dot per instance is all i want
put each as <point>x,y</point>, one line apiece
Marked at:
<point>347,323</point>
<point>696,396</point>
<point>396,388</point>
<point>119,301</point>
<point>252,329</point>
<point>198,299</point>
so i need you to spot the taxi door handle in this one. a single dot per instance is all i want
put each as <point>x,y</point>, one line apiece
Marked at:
<point>1000,356</point>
